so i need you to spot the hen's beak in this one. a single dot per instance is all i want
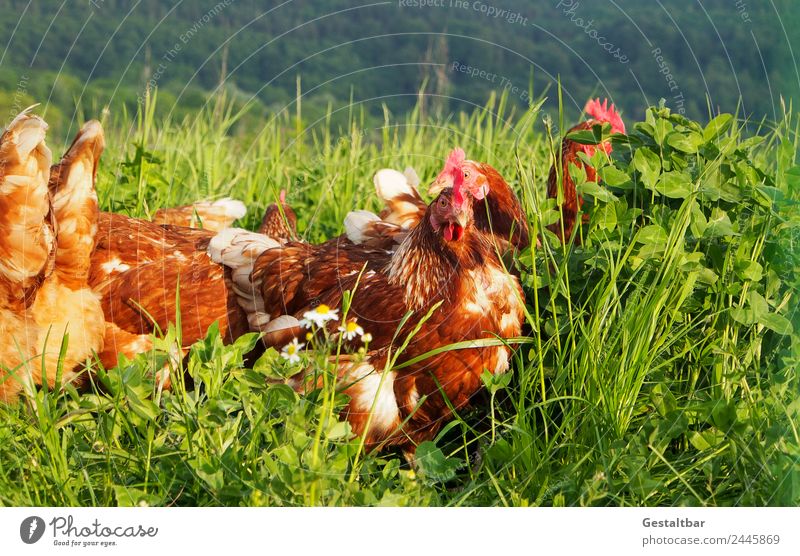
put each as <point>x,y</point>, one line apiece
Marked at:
<point>438,185</point>
<point>457,221</point>
<point>461,216</point>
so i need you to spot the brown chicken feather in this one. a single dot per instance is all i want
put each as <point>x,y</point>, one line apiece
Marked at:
<point>63,311</point>
<point>137,269</point>
<point>499,213</point>
<point>279,221</point>
<point>139,265</point>
<point>572,201</point>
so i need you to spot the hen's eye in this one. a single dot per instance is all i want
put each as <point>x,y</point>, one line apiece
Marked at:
<point>466,175</point>
<point>442,202</point>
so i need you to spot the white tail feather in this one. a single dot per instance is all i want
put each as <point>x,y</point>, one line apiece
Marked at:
<point>232,208</point>
<point>390,184</point>
<point>356,222</point>
<point>89,131</point>
<point>238,250</point>
<point>282,323</point>
<point>411,177</point>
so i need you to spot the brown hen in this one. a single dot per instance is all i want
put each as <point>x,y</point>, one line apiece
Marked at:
<point>443,260</point>
<point>572,202</point>
<point>49,317</point>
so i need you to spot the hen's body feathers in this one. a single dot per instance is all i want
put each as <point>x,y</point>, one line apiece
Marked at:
<point>142,269</point>
<point>47,303</point>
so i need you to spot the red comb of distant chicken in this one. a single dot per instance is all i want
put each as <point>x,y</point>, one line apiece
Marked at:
<point>283,195</point>
<point>602,112</point>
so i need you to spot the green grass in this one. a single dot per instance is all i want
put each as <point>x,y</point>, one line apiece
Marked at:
<point>662,356</point>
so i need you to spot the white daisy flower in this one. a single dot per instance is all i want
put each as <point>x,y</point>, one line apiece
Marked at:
<point>291,351</point>
<point>351,330</point>
<point>319,316</point>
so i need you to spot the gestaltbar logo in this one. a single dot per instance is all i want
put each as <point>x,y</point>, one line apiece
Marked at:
<point>31,529</point>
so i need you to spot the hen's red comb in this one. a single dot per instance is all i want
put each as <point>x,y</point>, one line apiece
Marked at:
<point>602,112</point>
<point>283,196</point>
<point>454,160</point>
<point>453,166</point>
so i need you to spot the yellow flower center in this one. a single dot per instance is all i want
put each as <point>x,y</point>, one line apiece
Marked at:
<point>323,309</point>
<point>292,349</point>
<point>351,326</point>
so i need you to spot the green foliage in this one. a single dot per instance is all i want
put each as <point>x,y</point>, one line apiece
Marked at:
<point>673,323</point>
<point>660,366</point>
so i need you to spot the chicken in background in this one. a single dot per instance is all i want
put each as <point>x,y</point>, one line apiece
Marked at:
<point>46,303</point>
<point>444,259</point>
<point>599,113</point>
<point>208,215</point>
<point>279,221</point>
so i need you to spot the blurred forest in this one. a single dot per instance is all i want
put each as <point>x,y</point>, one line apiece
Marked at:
<point>376,54</point>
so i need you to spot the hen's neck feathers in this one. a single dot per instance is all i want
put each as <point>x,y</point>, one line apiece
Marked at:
<point>429,269</point>
<point>500,212</point>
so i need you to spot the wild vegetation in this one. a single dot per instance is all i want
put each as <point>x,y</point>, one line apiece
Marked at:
<point>659,364</point>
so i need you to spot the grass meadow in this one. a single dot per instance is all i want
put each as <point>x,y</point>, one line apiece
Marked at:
<point>660,358</point>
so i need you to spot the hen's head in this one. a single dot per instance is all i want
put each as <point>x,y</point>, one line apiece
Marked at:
<point>450,214</point>
<point>279,222</point>
<point>464,176</point>
<point>601,113</point>
<point>474,180</point>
